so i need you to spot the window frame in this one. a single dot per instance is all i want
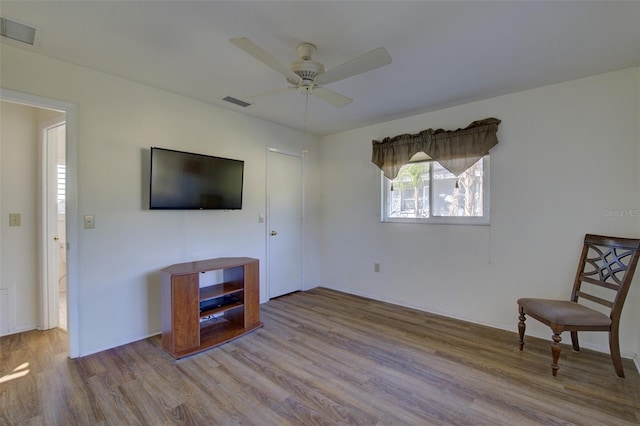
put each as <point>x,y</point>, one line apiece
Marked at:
<point>484,220</point>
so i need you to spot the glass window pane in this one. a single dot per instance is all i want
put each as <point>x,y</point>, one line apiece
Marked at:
<point>461,196</point>
<point>61,183</point>
<point>410,195</point>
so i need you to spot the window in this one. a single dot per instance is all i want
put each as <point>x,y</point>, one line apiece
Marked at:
<point>61,188</point>
<point>426,192</point>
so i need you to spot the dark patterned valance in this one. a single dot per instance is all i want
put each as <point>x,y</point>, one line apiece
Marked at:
<point>455,150</point>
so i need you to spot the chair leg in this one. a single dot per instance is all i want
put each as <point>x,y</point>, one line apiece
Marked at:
<point>521,327</point>
<point>574,341</point>
<point>614,348</point>
<point>555,352</point>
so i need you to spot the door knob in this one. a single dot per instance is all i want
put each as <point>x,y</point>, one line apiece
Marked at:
<point>274,233</point>
<point>55,238</point>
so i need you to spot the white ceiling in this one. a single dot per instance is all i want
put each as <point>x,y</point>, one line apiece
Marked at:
<point>444,53</point>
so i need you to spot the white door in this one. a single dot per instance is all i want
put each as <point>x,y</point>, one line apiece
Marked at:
<point>284,230</point>
<point>54,254</point>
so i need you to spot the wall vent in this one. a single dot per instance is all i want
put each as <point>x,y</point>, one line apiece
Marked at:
<point>243,104</point>
<point>17,31</point>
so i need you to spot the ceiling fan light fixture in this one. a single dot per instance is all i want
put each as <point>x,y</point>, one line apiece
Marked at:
<point>305,89</point>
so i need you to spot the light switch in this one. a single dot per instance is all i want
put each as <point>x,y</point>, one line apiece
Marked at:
<point>89,222</point>
<point>14,219</point>
<point>260,218</point>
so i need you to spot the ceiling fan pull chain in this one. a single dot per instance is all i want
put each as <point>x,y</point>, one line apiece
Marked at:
<point>306,112</point>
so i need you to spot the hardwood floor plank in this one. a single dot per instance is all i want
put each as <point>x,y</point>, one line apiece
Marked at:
<point>207,392</point>
<point>136,395</point>
<point>49,412</point>
<point>323,357</point>
<point>154,383</point>
<point>231,362</point>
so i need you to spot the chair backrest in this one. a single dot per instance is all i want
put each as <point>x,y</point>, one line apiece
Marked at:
<point>608,265</point>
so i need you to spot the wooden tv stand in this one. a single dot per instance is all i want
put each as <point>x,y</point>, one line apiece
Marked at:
<point>195,319</point>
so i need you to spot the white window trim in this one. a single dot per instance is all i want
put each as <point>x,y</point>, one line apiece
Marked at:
<point>443,220</point>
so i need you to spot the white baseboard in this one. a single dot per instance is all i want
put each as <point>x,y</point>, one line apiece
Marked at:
<point>114,344</point>
<point>20,330</point>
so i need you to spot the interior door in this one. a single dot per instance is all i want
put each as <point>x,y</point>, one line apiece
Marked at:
<point>54,260</point>
<point>284,230</point>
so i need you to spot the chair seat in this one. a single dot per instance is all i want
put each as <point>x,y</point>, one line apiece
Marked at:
<point>564,312</point>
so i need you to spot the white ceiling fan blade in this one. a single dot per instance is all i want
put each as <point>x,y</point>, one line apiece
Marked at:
<point>367,62</point>
<point>271,92</point>
<point>331,97</point>
<point>265,57</point>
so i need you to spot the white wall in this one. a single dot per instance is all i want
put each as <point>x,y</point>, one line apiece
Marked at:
<point>18,156</point>
<point>119,260</point>
<point>637,357</point>
<point>567,154</point>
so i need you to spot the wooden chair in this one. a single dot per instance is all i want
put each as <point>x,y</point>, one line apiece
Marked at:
<point>606,265</point>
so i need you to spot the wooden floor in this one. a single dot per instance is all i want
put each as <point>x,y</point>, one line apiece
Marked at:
<point>323,357</point>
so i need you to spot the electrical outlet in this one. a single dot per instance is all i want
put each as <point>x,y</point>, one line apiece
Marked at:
<point>376,267</point>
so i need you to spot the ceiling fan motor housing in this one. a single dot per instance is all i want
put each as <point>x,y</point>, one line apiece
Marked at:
<point>306,68</point>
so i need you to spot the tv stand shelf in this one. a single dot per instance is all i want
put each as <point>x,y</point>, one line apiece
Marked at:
<point>195,319</point>
<point>217,290</point>
<point>219,310</point>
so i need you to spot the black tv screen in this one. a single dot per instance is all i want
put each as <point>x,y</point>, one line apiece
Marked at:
<point>186,181</point>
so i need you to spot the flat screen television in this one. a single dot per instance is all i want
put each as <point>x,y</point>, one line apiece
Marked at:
<point>187,181</point>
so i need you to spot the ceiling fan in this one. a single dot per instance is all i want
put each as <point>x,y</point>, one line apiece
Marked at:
<point>308,76</point>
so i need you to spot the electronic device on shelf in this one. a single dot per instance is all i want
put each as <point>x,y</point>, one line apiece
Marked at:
<point>218,302</point>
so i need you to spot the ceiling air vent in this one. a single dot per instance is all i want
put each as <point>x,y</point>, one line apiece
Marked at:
<point>243,104</point>
<point>17,31</point>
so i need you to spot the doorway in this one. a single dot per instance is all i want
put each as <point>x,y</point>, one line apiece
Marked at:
<point>54,285</point>
<point>284,230</point>
<point>71,209</point>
